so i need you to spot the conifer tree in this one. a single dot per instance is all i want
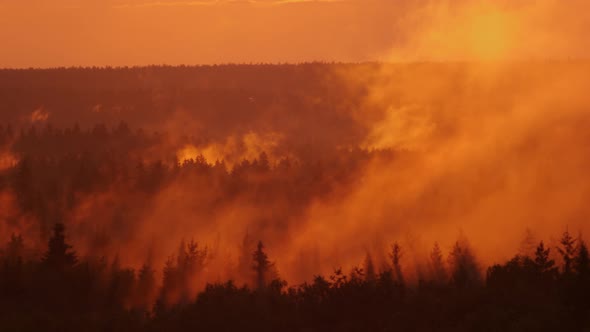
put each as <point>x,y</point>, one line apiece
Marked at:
<point>439,273</point>
<point>582,260</point>
<point>567,250</point>
<point>262,266</point>
<point>464,268</point>
<point>146,286</point>
<point>396,255</point>
<point>543,263</point>
<point>59,254</point>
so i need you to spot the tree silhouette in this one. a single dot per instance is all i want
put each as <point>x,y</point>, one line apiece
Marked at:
<point>543,264</point>
<point>581,262</point>
<point>59,254</point>
<point>146,286</point>
<point>169,291</point>
<point>261,266</point>
<point>439,273</point>
<point>567,250</point>
<point>190,262</point>
<point>464,268</point>
<point>396,255</point>
<point>121,284</point>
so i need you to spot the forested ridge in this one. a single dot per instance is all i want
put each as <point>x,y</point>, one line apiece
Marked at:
<point>46,283</point>
<point>310,197</point>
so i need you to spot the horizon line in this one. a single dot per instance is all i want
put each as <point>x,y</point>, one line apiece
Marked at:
<point>302,63</point>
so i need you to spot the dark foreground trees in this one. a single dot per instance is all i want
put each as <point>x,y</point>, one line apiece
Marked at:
<point>60,292</point>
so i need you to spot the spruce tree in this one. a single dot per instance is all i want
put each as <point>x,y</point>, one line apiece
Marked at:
<point>59,254</point>
<point>567,250</point>
<point>396,255</point>
<point>439,273</point>
<point>262,266</point>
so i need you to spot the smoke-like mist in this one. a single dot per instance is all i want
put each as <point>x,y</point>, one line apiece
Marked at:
<point>481,151</point>
<point>490,151</point>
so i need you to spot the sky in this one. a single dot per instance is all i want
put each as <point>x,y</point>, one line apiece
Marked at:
<point>43,33</point>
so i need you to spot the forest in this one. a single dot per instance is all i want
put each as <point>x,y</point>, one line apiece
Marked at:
<point>61,292</point>
<point>310,197</point>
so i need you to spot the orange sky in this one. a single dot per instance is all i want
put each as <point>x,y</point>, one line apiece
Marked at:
<point>43,33</point>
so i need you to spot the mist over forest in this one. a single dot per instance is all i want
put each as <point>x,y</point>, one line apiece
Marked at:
<point>308,197</point>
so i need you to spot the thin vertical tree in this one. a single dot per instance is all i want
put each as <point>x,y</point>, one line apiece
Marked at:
<point>437,265</point>
<point>262,266</point>
<point>464,268</point>
<point>396,255</point>
<point>567,250</point>
<point>582,260</point>
<point>59,253</point>
<point>543,263</point>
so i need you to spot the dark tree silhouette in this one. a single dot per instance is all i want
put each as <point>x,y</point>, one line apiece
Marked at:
<point>190,262</point>
<point>543,264</point>
<point>567,250</point>
<point>464,270</point>
<point>439,272</point>
<point>146,287</point>
<point>581,262</point>
<point>396,255</point>
<point>170,290</point>
<point>59,254</point>
<point>262,266</point>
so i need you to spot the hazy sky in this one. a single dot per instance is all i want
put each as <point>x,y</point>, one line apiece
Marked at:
<point>45,33</point>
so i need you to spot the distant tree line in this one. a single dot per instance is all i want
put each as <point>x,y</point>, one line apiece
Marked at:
<point>55,170</point>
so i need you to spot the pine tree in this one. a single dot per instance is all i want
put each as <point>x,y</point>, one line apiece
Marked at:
<point>121,284</point>
<point>464,267</point>
<point>567,251</point>
<point>396,255</point>
<point>190,262</point>
<point>261,266</point>
<point>169,293</point>
<point>543,263</point>
<point>146,286</point>
<point>439,273</point>
<point>582,260</point>
<point>59,254</point>
<point>194,258</point>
